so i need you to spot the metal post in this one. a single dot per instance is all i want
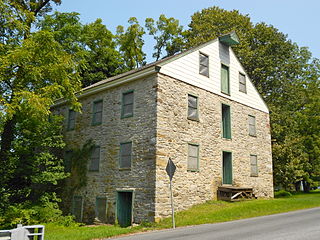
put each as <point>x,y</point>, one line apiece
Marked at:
<point>172,207</point>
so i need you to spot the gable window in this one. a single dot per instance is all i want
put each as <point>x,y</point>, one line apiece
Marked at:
<point>193,107</point>
<point>204,64</point>
<point>254,165</point>
<point>71,120</point>
<point>77,208</point>
<point>225,82</point>
<point>252,126</point>
<point>193,157</point>
<point>242,83</point>
<point>97,112</point>
<point>95,159</point>
<point>127,104</point>
<point>226,121</point>
<point>125,155</point>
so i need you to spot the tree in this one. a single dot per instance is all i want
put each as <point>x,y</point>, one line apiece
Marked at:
<point>130,43</point>
<point>167,33</point>
<point>285,75</point>
<point>35,71</point>
<point>92,45</point>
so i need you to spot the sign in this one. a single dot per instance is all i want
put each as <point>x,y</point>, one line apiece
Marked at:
<point>170,169</point>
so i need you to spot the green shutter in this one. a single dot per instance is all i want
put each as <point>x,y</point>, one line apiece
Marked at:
<point>225,88</point>
<point>226,121</point>
<point>193,157</point>
<point>101,209</point>
<point>97,112</point>
<point>71,120</point>
<point>127,104</point>
<point>77,208</point>
<point>95,159</point>
<point>193,107</point>
<point>125,155</point>
<point>227,167</point>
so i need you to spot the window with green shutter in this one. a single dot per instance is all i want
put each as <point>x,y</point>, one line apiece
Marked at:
<point>67,160</point>
<point>193,157</point>
<point>71,120</point>
<point>226,121</point>
<point>225,82</point>
<point>77,208</point>
<point>95,159</point>
<point>204,64</point>
<point>127,104</point>
<point>101,209</point>
<point>254,165</point>
<point>125,155</point>
<point>97,112</point>
<point>242,83</point>
<point>193,107</point>
<point>252,126</point>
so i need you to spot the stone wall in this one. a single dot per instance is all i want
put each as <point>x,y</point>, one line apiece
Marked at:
<point>140,129</point>
<point>175,131</point>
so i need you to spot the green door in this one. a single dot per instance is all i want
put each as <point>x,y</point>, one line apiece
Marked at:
<point>227,168</point>
<point>124,208</point>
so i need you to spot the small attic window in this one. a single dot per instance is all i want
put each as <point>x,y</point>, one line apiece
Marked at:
<point>204,64</point>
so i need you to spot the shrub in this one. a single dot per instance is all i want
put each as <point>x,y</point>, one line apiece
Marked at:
<point>282,193</point>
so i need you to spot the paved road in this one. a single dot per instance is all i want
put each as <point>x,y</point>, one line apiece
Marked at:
<point>297,225</point>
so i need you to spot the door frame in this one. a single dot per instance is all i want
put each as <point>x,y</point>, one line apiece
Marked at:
<point>230,184</point>
<point>117,202</point>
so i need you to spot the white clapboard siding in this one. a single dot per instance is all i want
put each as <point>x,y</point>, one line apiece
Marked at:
<point>186,69</point>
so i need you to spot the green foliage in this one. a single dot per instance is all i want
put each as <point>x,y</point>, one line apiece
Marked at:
<point>130,43</point>
<point>92,45</point>
<point>282,193</point>
<point>167,33</point>
<point>28,213</point>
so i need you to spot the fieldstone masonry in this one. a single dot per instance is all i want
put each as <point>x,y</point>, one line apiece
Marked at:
<point>159,129</point>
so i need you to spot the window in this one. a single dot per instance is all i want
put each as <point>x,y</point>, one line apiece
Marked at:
<point>254,165</point>
<point>193,157</point>
<point>204,64</point>
<point>68,161</point>
<point>127,104</point>
<point>71,120</point>
<point>242,83</point>
<point>225,84</point>
<point>226,121</point>
<point>125,155</point>
<point>193,107</point>
<point>95,159</point>
<point>77,208</point>
<point>97,112</point>
<point>101,209</point>
<point>252,126</point>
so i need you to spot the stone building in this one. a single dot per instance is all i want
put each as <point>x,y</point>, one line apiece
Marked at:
<point>199,108</point>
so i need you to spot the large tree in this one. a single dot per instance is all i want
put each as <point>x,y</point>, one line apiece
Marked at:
<point>288,79</point>
<point>168,35</point>
<point>93,45</point>
<point>35,70</point>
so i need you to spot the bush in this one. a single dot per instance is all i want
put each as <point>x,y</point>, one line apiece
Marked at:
<point>282,193</point>
<point>28,214</point>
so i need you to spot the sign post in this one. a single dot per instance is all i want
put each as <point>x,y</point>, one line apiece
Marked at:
<point>170,169</point>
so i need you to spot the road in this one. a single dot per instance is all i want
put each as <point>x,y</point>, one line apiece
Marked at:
<point>297,225</point>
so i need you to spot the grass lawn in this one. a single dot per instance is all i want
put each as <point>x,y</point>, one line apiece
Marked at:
<point>210,212</point>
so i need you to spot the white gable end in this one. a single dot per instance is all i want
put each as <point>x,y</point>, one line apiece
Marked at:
<point>186,69</point>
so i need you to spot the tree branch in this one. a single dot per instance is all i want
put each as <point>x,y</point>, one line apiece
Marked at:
<point>37,10</point>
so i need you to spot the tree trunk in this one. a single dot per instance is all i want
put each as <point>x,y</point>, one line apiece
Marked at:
<point>306,186</point>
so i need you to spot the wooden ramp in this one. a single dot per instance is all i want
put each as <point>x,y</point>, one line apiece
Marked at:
<point>230,193</point>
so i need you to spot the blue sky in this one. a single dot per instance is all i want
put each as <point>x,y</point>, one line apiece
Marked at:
<point>299,19</point>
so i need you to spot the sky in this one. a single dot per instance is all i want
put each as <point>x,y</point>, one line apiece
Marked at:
<point>300,20</point>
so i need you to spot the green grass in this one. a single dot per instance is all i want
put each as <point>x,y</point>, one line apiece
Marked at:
<point>210,212</point>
